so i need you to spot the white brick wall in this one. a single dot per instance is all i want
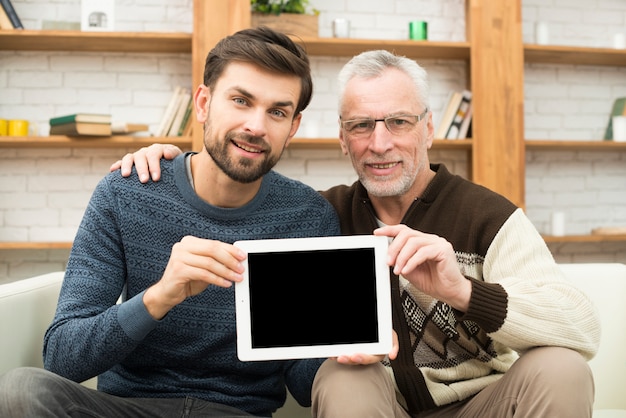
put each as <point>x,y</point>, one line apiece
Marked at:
<point>43,192</point>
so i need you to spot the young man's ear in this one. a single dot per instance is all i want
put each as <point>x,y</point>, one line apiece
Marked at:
<point>201,99</point>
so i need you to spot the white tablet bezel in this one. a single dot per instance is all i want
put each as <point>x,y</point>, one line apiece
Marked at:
<point>246,352</point>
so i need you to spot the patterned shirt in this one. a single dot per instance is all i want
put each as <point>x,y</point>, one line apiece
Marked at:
<point>122,247</point>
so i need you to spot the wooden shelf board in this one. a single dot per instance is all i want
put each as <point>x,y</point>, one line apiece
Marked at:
<point>599,145</point>
<point>61,40</point>
<point>557,54</point>
<point>59,141</point>
<point>547,238</point>
<point>584,238</point>
<point>335,47</point>
<point>67,40</point>
<point>321,143</point>
<point>25,245</point>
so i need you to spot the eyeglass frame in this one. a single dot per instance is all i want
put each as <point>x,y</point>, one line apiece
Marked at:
<point>419,117</point>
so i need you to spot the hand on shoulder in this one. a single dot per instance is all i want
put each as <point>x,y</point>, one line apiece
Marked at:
<point>147,161</point>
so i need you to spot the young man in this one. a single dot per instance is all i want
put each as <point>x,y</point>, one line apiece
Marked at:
<point>169,349</point>
<point>487,324</point>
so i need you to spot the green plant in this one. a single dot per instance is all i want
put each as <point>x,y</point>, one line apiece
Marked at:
<point>282,6</point>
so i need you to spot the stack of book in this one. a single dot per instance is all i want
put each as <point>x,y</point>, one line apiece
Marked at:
<point>456,116</point>
<point>177,118</point>
<point>79,124</point>
<point>8,16</point>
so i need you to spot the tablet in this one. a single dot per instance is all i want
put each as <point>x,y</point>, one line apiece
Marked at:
<point>313,298</point>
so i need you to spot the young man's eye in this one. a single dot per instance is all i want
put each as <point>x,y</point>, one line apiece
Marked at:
<point>240,100</point>
<point>278,113</point>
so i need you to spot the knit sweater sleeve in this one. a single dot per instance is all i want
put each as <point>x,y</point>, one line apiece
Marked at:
<point>90,332</point>
<point>543,308</point>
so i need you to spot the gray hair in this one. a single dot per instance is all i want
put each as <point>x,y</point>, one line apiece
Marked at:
<point>370,64</point>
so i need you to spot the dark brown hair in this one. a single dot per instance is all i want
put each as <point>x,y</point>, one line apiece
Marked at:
<point>266,48</point>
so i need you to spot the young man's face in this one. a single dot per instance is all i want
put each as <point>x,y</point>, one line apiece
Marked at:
<point>249,119</point>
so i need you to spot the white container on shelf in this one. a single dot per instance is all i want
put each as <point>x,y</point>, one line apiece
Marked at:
<point>542,33</point>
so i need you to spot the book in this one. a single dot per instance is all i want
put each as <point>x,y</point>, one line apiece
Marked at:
<point>12,14</point>
<point>619,108</point>
<point>186,119</point>
<point>189,128</point>
<point>5,22</point>
<point>81,117</point>
<point>128,128</point>
<point>452,105</point>
<point>169,113</point>
<point>80,129</point>
<point>465,125</point>
<point>455,125</point>
<point>181,108</point>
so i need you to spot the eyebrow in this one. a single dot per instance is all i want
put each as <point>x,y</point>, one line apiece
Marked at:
<point>249,95</point>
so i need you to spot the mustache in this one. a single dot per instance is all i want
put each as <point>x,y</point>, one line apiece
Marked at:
<point>244,137</point>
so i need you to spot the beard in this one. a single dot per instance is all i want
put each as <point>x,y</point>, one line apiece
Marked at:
<point>387,186</point>
<point>381,187</point>
<point>243,170</point>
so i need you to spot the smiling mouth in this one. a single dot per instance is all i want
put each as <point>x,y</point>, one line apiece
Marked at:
<point>383,166</point>
<point>247,148</point>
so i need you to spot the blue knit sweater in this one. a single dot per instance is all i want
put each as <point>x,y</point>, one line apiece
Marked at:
<point>122,247</point>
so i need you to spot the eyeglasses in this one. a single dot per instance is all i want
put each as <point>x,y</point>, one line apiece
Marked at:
<point>397,125</point>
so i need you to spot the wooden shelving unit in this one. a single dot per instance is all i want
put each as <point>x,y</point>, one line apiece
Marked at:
<point>567,55</point>
<point>497,151</point>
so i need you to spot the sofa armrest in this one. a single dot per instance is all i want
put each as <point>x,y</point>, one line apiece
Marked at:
<point>605,284</point>
<point>26,310</point>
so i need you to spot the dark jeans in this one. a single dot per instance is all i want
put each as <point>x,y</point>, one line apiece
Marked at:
<point>31,392</point>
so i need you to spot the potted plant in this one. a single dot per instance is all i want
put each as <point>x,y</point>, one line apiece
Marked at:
<point>277,7</point>
<point>293,17</point>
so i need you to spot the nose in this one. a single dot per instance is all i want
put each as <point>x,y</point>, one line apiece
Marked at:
<point>255,122</point>
<point>381,139</point>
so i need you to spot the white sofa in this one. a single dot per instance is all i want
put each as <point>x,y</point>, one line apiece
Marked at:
<point>27,307</point>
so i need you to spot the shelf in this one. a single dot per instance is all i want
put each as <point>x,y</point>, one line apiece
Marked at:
<point>547,238</point>
<point>598,145</point>
<point>334,47</point>
<point>584,238</point>
<point>61,141</point>
<point>25,245</point>
<point>322,143</point>
<point>556,54</point>
<point>62,40</point>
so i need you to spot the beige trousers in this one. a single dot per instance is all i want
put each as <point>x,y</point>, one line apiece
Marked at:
<point>544,382</point>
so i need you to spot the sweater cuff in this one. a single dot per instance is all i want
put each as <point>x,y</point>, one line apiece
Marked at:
<point>488,305</point>
<point>135,319</point>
